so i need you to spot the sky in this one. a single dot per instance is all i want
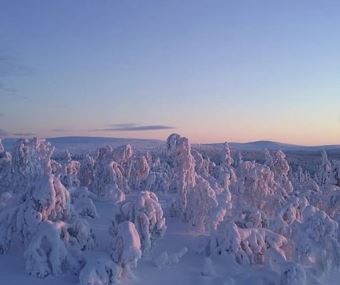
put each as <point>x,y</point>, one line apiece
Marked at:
<point>232,70</point>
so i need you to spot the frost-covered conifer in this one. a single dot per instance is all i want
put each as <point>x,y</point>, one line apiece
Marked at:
<point>101,270</point>
<point>39,215</point>
<point>86,172</point>
<point>82,202</point>
<point>325,170</point>
<point>201,204</point>
<point>5,170</point>
<point>70,174</point>
<point>146,213</point>
<point>126,246</point>
<point>139,173</point>
<point>179,150</point>
<point>109,181</point>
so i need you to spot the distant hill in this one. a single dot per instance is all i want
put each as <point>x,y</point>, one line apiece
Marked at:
<point>84,144</point>
<point>271,145</point>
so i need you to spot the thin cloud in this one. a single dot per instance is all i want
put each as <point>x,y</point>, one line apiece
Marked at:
<point>59,130</point>
<point>134,128</point>
<point>128,125</point>
<point>2,115</point>
<point>24,134</point>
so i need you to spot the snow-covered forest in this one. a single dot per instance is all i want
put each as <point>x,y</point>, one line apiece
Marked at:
<point>125,216</point>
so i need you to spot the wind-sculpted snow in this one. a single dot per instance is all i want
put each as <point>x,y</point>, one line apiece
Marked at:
<point>257,215</point>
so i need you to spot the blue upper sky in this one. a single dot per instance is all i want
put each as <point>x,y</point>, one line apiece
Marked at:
<point>210,70</point>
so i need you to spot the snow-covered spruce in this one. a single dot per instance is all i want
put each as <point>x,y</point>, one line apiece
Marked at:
<point>139,172</point>
<point>126,247</point>
<point>179,151</point>
<point>246,246</point>
<point>39,215</point>
<point>146,213</point>
<point>39,195</point>
<point>82,202</point>
<point>5,170</point>
<point>174,258</point>
<point>198,201</point>
<point>86,171</point>
<point>70,174</point>
<point>108,182</point>
<point>201,204</point>
<point>315,240</point>
<point>159,178</point>
<point>47,254</point>
<point>101,270</point>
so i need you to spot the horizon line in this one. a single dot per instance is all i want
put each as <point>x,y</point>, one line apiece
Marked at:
<point>161,140</point>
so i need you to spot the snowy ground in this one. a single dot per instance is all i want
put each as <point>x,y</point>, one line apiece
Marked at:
<point>187,271</point>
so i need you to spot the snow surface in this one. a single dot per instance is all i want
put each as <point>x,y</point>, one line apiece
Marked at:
<point>188,271</point>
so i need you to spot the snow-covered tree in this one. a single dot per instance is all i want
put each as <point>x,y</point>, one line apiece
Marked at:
<point>86,172</point>
<point>39,215</point>
<point>281,169</point>
<point>126,246</point>
<point>202,166</point>
<point>255,190</point>
<point>146,213</point>
<point>40,195</point>
<point>82,203</point>
<point>325,170</point>
<point>293,274</point>
<point>315,240</point>
<point>139,173</point>
<point>224,173</point>
<point>2,149</point>
<point>291,212</point>
<point>122,154</point>
<point>201,203</point>
<point>268,159</point>
<point>160,177</point>
<point>179,150</point>
<point>246,246</point>
<point>47,253</point>
<point>108,180</point>
<point>101,270</point>
<point>336,173</point>
<point>70,174</point>
<point>5,170</point>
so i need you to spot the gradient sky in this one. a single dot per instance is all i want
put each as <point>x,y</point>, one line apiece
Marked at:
<point>211,70</point>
